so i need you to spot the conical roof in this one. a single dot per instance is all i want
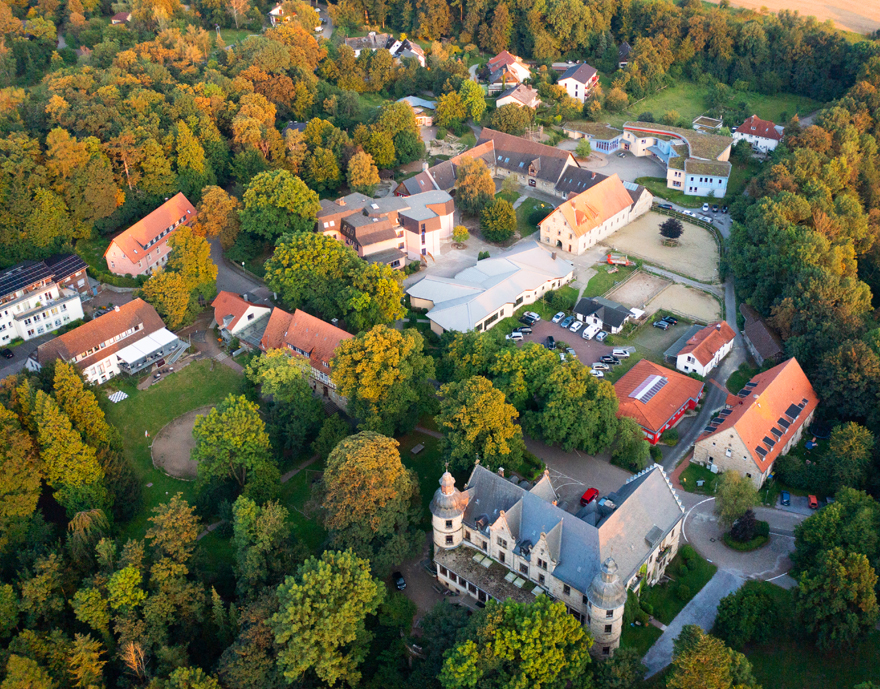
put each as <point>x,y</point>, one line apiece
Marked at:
<point>606,590</point>
<point>448,501</point>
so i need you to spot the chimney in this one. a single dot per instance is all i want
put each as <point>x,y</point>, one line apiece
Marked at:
<point>244,296</point>
<point>501,472</point>
<point>553,255</point>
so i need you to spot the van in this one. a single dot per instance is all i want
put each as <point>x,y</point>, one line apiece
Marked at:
<point>620,353</point>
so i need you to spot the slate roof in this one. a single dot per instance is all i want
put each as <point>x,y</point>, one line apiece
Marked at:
<point>755,126</point>
<point>705,344</point>
<point>605,310</point>
<point>577,179</point>
<point>516,154</point>
<point>522,93</point>
<point>623,51</point>
<point>653,412</point>
<point>763,338</point>
<point>581,72</point>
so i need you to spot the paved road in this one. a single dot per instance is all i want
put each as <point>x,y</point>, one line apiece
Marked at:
<point>700,611</point>
<point>234,281</point>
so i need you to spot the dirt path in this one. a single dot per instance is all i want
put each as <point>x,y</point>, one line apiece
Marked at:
<point>638,290</point>
<point>173,446</point>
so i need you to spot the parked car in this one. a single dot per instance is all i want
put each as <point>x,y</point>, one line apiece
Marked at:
<point>705,207</point>
<point>665,206</point>
<point>596,373</point>
<point>621,155</point>
<point>608,359</point>
<point>589,495</point>
<point>785,498</point>
<point>571,353</point>
<point>525,330</point>
<point>516,336</point>
<point>672,320</point>
<point>562,356</point>
<point>723,209</point>
<point>576,326</point>
<point>558,317</point>
<point>600,366</point>
<point>600,337</point>
<point>690,213</point>
<point>551,343</point>
<point>399,581</point>
<point>620,353</point>
<point>706,218</point>
<point>532,315</point>
<point>714,207</point>
<point>7,353</point>
<point>567,321</point>
<point>814,502</point>
<point>663,325</point>
<point>525,320</point>
<point>828,499</point>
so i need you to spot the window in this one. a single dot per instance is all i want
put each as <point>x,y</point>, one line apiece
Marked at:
<point>523,568</point>
<point>502,542</point>
<point>467,535</point>
<point>609,613</point>
<point>748,476</point>
<point>442,570</point>
<point>250,316</point>
<point>502,557</point>
<point>584,600</point>
<point>448,523</point>
<point>484,545</point>
<point>606,651</point>
<point>542,564</point>
<point>541,579</point>
<point>449,540</point>
<point>566,589</point>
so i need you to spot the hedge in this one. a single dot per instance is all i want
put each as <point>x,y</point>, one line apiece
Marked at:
<point>754,544</point>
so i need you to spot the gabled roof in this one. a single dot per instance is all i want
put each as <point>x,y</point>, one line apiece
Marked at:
<point>591,208</point>
<point>580,72</point>
<point>624,50</point>
<point>782,399</point>
<point>575,180</point>
<point>65,265</point>
<point>229,304</point>
<point>92,334</point>
<point>306,333</point>
<point>605,310</point>
<point>652,394</point>
<point>763,338</point>
<point>522,93</point>
<point>705,344</point>
<point>133,240</point>
<point>516,154</point>
<point>21,275</point>
<point>502,58</point>
<point>755,126</point>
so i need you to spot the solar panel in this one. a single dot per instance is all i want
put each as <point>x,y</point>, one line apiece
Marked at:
<point>803,403</point>
<point>725,412</point>
<point>793,412</point>
<point>652,389</point>
<point>782,422</point>
<point>17,279</point>
<point>775,431</point>
<point>761,451</point>
<point>749,385</point>
<point>708,429</point>
<point>769,442</point>
<point>742,393</point>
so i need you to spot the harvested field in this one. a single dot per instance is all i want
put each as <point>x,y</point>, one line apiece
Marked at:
<point>696,256</point>
<point>638,290</point>
<point>850,15</point>
<point>173,446</point>
<point>688,302</point>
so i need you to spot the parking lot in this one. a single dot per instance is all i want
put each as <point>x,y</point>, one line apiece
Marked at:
<point>587,351</point>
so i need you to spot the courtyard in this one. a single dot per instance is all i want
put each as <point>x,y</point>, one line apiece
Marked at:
<point>688,302</point>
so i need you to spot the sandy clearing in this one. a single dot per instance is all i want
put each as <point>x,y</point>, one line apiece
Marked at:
<point>638,290</point>
<point>851,15</point>
<point>173,447</point>
<point>688,302</point>
<point>696,256</point>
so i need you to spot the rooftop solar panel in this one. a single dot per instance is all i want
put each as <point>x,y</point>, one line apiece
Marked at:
<point>725,412</point>
<point>742,393</point>
<point>782,422</point>
<point>14,280</point>
<point>769,442</point>
<point>793,412</point>
<point>775,431</point>
<point>761,451</point>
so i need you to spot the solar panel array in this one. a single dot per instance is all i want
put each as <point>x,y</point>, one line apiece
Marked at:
<point>650,387</point>
<point>18,279</point>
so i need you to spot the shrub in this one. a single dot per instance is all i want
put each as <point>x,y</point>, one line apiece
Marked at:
<point>687,552</point>
<point>631,609</point>
<point>498,220</point>
<point>642,617</point>
<point>692,564</point>
<point>441,133</point>
<point>745,527</point>
<point>670,437</point>
<point>482,255</point>
<point>763,529</point>
<point>683,592</point>
<point>656,454</point>
<point>646,117</point>
<point>754,544</point>
<point>647,607</point>
<point>682,570</point>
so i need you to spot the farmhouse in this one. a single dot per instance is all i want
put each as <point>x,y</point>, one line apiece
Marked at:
<point>589,217</point>
<point>764,136</point>
<point>129,339</point>
<point>656,397</point>
<point>705,350</point>
<point>479,296</point>
<point>504,538</point>
<point>759,424</point>
<point>506,70</point>
<point>530,164</point>
<point>579,80</point>
<point>143,247</point>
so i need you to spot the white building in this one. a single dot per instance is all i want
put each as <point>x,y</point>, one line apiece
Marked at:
<point>504,538</point>
<point>520,96</point>
<point>764,136</point>
<point>579,80</point>
<point>33,303</point>
<point>705,349</point>
<point>603,313</point>
<point>480,296</point>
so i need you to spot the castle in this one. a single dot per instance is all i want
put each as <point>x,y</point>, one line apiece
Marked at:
<point>504,538</point>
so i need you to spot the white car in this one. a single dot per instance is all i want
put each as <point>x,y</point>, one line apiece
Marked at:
<point>599,366</point>
<point>705,207</point>
<point>596,373</point>
<point>558,317</point>
<point>577,325</point>
<point>532,315</point>
<point>690,213</point>
<point>561,356</point>
<point>514,336</point>
<point>601,336</point>
<point>590,331</point>
<point>620,353</point>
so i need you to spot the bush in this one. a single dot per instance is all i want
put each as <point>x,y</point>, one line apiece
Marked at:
<point>482,255</point>
<point>683,592</point>
<point>748,546</point>
<point>642,617</point>
<point>562,300</point>
<point>498,220</point>
<point>648,608</point>
<point>441,133</point>
<point>631,609</point>
<point>670,437</point>
<point>763,529</point>
<point>412,267</point>
<point>692,564</point>
<point>646,117</point>
<point>656,454</point>
<point>683,569</point>
<point>745,527</point>
<point>687,552</point>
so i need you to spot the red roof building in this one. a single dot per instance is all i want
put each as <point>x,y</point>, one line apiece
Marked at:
<point>656,397</point>
<point>705,350</point>
<point>761,134</point>
<point>764,421</point>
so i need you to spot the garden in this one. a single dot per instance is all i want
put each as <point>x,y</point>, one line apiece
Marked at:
<point>687,574</point>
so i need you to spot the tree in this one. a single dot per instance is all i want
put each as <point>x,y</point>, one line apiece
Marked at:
<point>320,622</point>
<point>262,539</point>
<point>363,175</point>
<point>333,430</point>
<point>836,599</point>
<point>322,170</point>
<point>80,405</point>
<point>384,375</point>
<point>474,185</point>
<point>616,100</point>
<point>279,374</point>
<point>193,677</point>
<point>468,354</point>
<point>373,296</point>
<point>191,259</point>
<point>276,203</point>
<point>702,661</point>
<point>85,663</point>
<point>169,293</point>
<point>24,673</point>
<point>20,487</point>
<point>460,234</point>
<point>175,529</point>
<point>849,455</point>
<point>218,215</point>
<point>735,496</point>
<point>748,615</point>
<point>518,644</point>
<point>583,148</point>
<point>231,441</point>
<point>472,99</point>
<point>624,670</point>
<point>498,220</point>
<point>631,450</point>
<point>450,110</point>
<point>8,611</point>
<point>477,422</point>
<point>512,119</point>
<point>744,528</point>
<point>671,228</point>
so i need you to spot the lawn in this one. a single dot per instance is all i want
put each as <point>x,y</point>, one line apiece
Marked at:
<point>690,100</point>
<point>149,410</point>
<point>603,281</point>
<point>294,496</point>
<point>664,597</point>
<point>524,212</point>
<point>92,252</point>
<point>232,36</point>
<point>696,472</point>
<point>640,638</point>
<point>740,377</point>
<point>427,464</point>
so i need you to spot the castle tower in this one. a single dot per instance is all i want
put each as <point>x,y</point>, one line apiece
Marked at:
<point>447,512</point>
<point>607,597</point>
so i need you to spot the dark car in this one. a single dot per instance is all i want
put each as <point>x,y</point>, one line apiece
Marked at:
<point>7,353</point>
<point>723,209</point>
<point>525,330</point>
<point>590,495</point>
<point>526,320</point>
<point>666,206</point>
<point>785,498</point>
<point>608,359</point>
<point>551,342</point>
<point>399,581</point>
<point>567,321</point>
<point>672,320</point>
<point>714,207</point>
<point>663,325</point>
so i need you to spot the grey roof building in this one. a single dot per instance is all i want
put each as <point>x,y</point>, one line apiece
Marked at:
<point>534,547</point>
<point>611,314</point>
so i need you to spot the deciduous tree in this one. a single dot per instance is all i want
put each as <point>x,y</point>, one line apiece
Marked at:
<point>472,99</point>
<point>169,293</point>
<point>276,203</point>
<point>631,450</point>
<point>460,234</point>
<point>671,228</point>
<point>80,404</point>
<point>849,455</point>
<point>363,175</point>
<point>498,220</point>
<point>474,185</point>
<point>735,496</point>
<point>702,661</point>
<point>512,119</point>
<point>20,487</point>
<point>219,215</point>
<point>263,544</point>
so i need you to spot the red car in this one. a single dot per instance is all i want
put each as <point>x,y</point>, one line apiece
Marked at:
<point>589,496</point>
<point>814,502</point>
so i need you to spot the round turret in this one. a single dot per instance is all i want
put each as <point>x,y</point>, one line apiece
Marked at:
<point>447,511</point>
<point>607,596</point>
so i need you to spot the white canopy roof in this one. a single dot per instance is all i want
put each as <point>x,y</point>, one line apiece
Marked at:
<point>146,346</point>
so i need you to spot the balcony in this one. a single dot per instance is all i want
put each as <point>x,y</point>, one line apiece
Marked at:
<point>71,295</point>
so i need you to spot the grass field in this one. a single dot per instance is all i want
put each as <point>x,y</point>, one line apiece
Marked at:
<point>640,638</point>
<point>740,377</point>
<point>524,212</point>
<point>294,496</point>
<point>92,252</point>
<point>664,597</point>
<point>232,36</point>
<point>149,410</point>
<point>689,100</point>
<point>694,473</point>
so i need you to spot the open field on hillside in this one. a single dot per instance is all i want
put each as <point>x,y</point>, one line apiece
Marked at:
<point>850,15</point>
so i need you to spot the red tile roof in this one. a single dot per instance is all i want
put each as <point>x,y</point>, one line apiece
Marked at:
<point>758,127</point>
<point>501,59</point>
<point>133,241</point>
<point>783,392</point>
<point>705,344</point>
<point>230,304</point>
<point>591,208</point>
<point>653,413</point>
<point>306,333</point>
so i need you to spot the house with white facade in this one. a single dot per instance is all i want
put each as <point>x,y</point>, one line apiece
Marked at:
<point>705,349</point>
<point>763,136</point>
<point>504,538</point>
<point>590,217</point>
<point>521,96</point>
<point>480,296</point>
<point>36,298</point>
<point>603,313</point>
<point>236,317</point>
<point>579,80</point>
<point>506,70</point>
<point>129,339</point>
